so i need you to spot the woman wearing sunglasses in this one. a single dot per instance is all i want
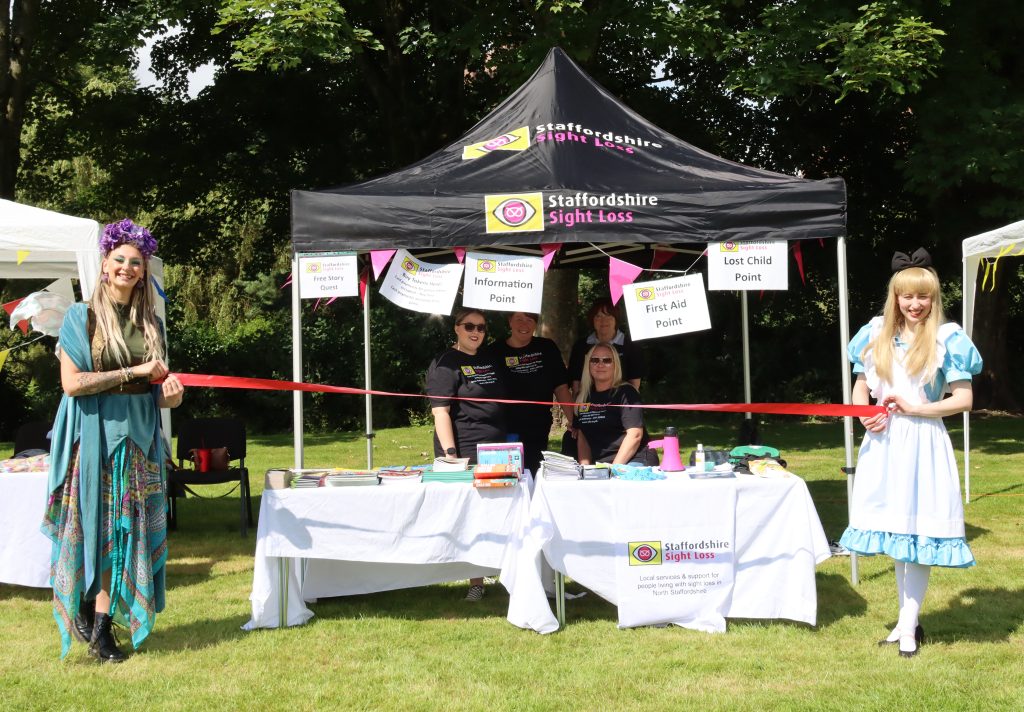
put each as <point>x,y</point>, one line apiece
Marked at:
<point>466,371</point>
<point>616,435</point>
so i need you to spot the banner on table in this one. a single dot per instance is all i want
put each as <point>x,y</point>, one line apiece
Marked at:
<point>666,307</point>
<point>421,286</point>
<point>503,282</point>
<point>328,274</point>
<point>672,573</point>
<point>748,266</point>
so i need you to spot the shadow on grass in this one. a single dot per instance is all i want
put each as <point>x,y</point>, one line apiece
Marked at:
<point>10,592</point>
<point>837,599</point>
<point>194,635</point>
<point>981,615</point>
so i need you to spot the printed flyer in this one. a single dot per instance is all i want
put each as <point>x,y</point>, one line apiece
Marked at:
<point>421,286</point>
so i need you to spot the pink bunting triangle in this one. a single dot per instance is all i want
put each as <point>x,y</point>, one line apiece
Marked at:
<point>550,250</point>
<point>380,259</point>
<point>287,281</point>
<point>460,253</point>
<point>363,278</point>
<point>620,273</point>
<point>330,301</point>
<point>660,258</point>
<point>798,255</point>
<point>317,305</point>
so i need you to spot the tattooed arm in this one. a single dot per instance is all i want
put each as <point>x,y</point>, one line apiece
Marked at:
<point>85,383</point>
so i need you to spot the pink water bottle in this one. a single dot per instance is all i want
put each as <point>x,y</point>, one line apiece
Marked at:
<point>669,445</point>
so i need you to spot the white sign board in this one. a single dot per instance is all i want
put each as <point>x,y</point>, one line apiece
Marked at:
<point>666,307</point>
<point>328,274</point>
<point>671,573</point>
<point>748,266</point>
<point>510,283</point>
<point>421,286</point>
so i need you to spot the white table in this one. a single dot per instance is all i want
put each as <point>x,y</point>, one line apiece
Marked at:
<point>336,541</point>
<point>778,542</point>
<point>24,549</point>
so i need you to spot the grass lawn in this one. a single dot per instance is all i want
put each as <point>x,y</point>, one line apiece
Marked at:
<point>426,649</point>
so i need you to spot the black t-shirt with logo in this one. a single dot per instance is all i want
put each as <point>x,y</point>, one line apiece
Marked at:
<point>605,428</point>
<point>479,375</point>
<point>630,355</point>
<point>534,372</point>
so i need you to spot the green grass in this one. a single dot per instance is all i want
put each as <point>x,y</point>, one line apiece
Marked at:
<point>425,649</point>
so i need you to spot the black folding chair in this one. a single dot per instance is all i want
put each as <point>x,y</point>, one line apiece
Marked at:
<point>210,433</point>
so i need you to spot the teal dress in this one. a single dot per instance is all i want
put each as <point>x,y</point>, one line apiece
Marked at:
<point>107,504</point>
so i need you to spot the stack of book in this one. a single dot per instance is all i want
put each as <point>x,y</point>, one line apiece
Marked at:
<point>600,471</point>
<point>400,474</point>
<point>350,478</point>
<point>495,475</point>
<point>454,476</point>
<point>304,479</point>
<point>557,466</point>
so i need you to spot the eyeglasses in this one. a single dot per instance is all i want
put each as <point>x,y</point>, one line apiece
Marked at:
<point>600,359</point>
<point>471,327</point>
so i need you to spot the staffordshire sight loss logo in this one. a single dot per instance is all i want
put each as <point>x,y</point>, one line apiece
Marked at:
<point>517,140</point>
<point>644,553</point>
<point>517,212</point>
<point>409,266</point>
<point>644,294</point>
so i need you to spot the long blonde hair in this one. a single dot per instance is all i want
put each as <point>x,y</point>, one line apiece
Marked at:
<point>141,313</point>
<point>920,357</point>
<point>587,382</point>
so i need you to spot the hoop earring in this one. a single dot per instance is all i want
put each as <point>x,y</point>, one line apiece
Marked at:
<point>138,285</point>
<point>104,277</point>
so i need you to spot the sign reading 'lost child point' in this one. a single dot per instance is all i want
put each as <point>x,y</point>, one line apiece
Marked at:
<point>745,266</point>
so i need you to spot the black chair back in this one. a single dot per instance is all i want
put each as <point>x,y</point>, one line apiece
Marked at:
<point>32,436</point>
<point>211,433</point>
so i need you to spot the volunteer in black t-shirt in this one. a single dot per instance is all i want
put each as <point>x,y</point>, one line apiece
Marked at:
<point>604,317</point>
<point>615,435</point>
<point>535,371</point>
<point>468,371</point>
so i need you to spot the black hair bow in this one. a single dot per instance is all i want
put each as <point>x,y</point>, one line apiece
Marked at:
<point>920,258</point>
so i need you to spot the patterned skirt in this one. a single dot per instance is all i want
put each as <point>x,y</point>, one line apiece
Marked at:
<point>132,548</point>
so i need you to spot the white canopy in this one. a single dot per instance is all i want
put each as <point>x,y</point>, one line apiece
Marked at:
<point>51,245</point>
<point>1006,241</point>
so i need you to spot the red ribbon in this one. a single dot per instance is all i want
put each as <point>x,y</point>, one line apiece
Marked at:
<point>269,384</point>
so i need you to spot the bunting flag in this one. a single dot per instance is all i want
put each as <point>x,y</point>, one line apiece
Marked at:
<point>659,258</point>
<point>380,259</point>
<point>9,308</point>
<point>460,253</point>
<point>993,264</point>
<point>363,279</point>
<point>619,274</point>
<point>798,255</point>
<point>22,254</point>
<point>3,358</point>
<point>550,250</point>
<point>287,281</point>
<point>62,287</point>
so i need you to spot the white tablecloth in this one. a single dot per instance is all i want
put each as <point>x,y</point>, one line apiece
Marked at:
<point>334,541</point>
<point>24,549</point>
<point>778,543</point>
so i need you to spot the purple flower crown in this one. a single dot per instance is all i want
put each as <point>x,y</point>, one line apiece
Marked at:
<point>126,232</point>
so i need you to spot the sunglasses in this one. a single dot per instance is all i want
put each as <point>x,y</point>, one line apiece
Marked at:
<point>600,359</point>
<point>471,327</point>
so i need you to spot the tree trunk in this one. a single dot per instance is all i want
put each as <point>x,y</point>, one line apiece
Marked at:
<point>17,35</point>
<point>558,312</point>
<point>992,388</point>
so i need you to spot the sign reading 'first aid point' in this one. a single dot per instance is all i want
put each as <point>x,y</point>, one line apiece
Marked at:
<point>666,307</point>
<point>754,265</point>
<point>503,282</point>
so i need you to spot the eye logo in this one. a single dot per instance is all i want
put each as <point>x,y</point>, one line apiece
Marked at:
<point>644,553</point>
<point>585,408</point>
<point>468,371</point>
<point>312,266</point>
<point>522,212</point>
<point>516,140</point>
<point>486,266</point>
<point>511,361</point>
<point>729,247</point>
<point>644,294</point>
<point>409,266</point>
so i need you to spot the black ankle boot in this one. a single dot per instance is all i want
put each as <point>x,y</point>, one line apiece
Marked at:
<point>103,646</point>
<point>81,626</point>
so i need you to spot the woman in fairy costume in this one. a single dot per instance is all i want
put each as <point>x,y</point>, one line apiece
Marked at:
<point>106,512</point>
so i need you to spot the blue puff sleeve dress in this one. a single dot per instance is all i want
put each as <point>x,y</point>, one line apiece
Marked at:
<point>906,495</point>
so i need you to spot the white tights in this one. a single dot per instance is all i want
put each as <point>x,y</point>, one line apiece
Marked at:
<point>911,585</point>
